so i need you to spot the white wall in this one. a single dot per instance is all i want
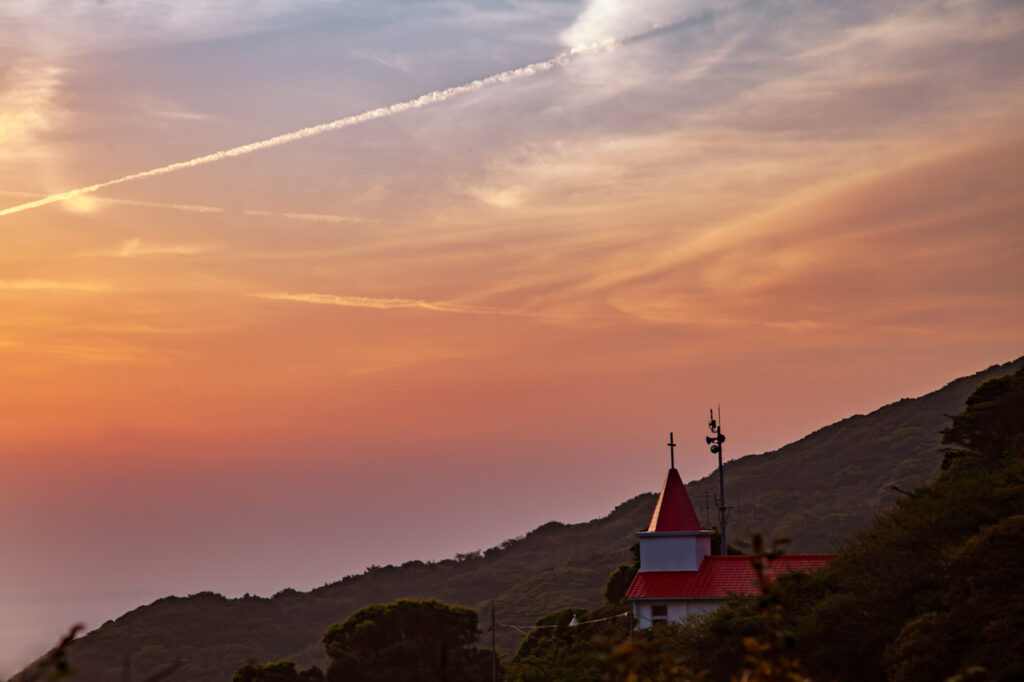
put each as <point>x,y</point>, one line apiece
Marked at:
<point>678,610</point>
<point>672,552</point>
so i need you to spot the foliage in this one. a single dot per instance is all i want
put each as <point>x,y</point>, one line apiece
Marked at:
<point>411,640</point>
<point>771,657</point>
<point>940,573</point>
<point>650,657</point>
<point>931,590</point>
<point>826,486</point>
<point>620,579</point>
<point>557,650</point>
<point>282,671</point>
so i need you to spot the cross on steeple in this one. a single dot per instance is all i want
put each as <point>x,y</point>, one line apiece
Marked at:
<point>671,450</point>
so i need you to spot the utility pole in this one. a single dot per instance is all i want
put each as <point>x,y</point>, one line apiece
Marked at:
<point>715,442</point>
<point>494,648</point>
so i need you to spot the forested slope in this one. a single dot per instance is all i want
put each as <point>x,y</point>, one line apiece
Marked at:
<point>817,489</point>
<point>930,590</point>
<point>211,636</point>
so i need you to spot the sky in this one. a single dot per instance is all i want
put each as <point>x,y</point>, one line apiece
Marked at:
<point>435,327</point>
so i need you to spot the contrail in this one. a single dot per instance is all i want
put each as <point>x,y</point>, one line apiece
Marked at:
<point>200,208</point>
<point>392,303</point>
<point>436,306</point>
<point>435,97</point>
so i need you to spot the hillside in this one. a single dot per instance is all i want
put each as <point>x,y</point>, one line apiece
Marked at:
<point>929,591</point>
<point>554,565</point>
<point>818,489</point>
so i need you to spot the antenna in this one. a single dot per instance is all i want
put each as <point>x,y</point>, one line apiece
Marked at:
<point>715,441</point>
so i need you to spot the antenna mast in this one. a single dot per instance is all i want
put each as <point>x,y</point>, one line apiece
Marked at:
<point>715,441</point>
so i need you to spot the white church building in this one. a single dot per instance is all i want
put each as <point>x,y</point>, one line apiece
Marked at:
<point>679,576</point>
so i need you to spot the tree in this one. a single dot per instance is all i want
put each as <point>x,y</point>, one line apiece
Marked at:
<point>557,650</point>
<point>282,671</point>
<point>407,640</point>
<point>931,590</point>
<point>620,579</point>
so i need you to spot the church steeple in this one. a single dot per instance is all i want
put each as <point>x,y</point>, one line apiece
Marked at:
<point>674,540</point>
<point>674,511</point>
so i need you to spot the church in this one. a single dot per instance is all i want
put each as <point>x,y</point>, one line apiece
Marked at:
<point>678,575</point>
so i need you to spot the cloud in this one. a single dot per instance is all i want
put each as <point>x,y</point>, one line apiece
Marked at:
<point>85,25</point>
<point>133,248</point>
<point>321,217</point>
<point>603,19</point>
<point>50,285</point>
<point>555,315</point>
<point>27,107</point>
<point>95,202</point>
<point>384,303</point>
<point>429,99</point>
<point>877,256</point>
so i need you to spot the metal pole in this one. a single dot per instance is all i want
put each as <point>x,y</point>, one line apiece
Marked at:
<point>724,549</point>
<point>715,441</point>
<point>494,648</point>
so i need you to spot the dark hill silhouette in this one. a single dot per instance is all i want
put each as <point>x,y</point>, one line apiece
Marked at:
<point>818,489</point>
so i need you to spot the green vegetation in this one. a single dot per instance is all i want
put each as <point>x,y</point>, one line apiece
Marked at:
<point>411,640</point>
<point>800,488</point>
<point>558,651</point>
<point>833,482</point>
<point>282,671</point>
<point>932,589</point>
<point>407,640</point>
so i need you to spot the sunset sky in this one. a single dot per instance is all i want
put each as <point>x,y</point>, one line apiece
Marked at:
<point>425,333</point>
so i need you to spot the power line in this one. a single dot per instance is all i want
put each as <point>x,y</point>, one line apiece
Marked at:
<point>526,629</point>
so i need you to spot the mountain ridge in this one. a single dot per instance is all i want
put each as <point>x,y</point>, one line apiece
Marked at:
<point>865,455</point>
<point>554,566</point>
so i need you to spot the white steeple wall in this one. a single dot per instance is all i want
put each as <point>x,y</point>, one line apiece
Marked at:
<point>678,551</point>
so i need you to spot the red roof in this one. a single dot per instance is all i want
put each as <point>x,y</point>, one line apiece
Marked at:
<point>674,511</point>
<point>717,577</point>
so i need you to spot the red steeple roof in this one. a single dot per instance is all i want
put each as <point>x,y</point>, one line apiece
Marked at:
<point>674,511</point>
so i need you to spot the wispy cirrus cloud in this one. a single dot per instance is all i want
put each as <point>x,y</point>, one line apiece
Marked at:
<point>28,91</point>
<point>133,248</point>
<point>386,303</point>
<point>563,313</point>
<point>94,203</point>
<point>82,25</point>
<point>326,218</point>
<point>430,99</point>
<point>52,285</point>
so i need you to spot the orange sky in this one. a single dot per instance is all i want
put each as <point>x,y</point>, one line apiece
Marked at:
<point>427,333</point>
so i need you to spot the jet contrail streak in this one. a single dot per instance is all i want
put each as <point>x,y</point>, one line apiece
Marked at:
<point>392,303</point>
<point>435,97</point>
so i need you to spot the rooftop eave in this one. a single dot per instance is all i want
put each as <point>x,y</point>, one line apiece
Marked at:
<point>672,533</point>
<point>678,598</point>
